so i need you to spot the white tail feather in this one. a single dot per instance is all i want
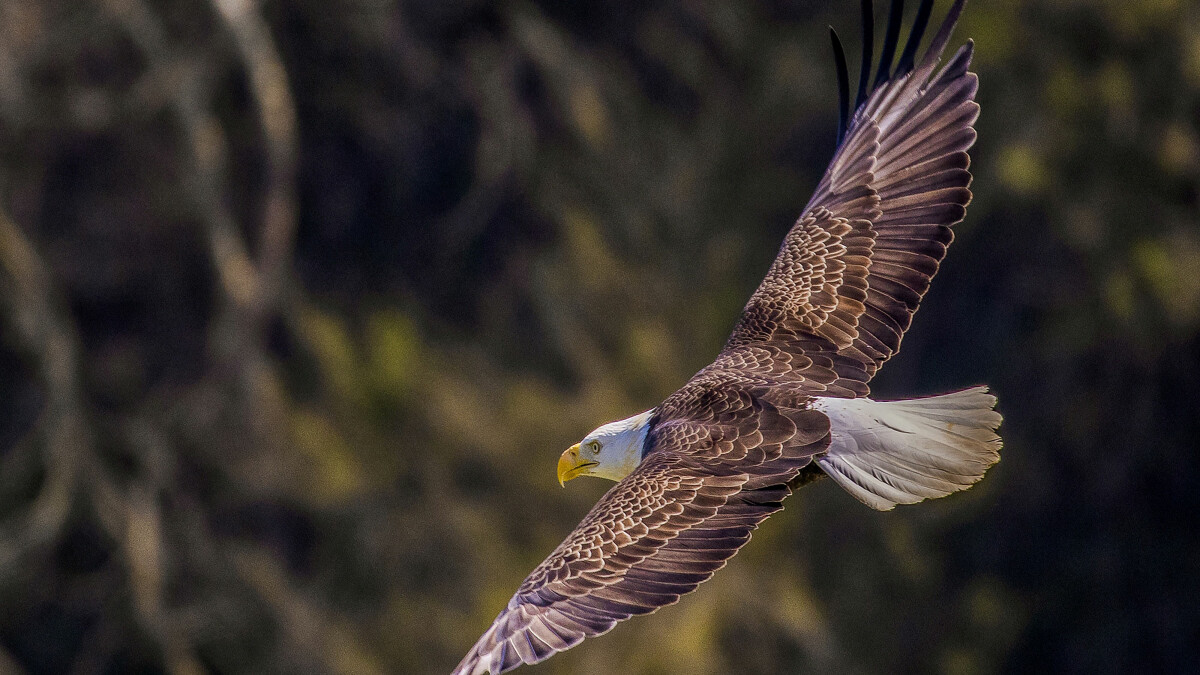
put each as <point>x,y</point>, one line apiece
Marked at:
<point>901,452</point>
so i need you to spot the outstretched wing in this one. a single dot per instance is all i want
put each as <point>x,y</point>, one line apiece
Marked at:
<point>657,534</point>
<point>852,271</point>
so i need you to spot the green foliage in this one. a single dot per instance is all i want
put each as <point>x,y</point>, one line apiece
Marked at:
<point>290,399</point>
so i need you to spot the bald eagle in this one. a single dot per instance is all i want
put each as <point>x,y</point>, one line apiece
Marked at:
<point>786,399</point>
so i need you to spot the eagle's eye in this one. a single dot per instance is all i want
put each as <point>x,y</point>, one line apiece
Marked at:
<point>594,446</point>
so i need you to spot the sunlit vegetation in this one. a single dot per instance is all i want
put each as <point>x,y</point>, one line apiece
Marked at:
<point>300,302</point>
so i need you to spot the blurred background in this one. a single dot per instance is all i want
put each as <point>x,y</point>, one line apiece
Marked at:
<point>300,302</point>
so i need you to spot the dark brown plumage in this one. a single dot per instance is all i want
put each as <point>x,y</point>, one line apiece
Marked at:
<point>723,451</point>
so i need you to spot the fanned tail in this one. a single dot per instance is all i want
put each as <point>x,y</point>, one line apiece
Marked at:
<point>901,452</point>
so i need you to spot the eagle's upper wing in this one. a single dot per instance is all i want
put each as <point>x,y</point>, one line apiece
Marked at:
<point>661,531</point>
<point>853,269</point>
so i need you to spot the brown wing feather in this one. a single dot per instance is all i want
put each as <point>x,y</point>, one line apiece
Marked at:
<point>922,182</point>
<point>852,271</point>
<point>817,284</point>
<point>715,472</point>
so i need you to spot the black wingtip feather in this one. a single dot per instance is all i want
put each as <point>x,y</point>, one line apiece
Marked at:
<point>907,60</point>
<point>905,64</point>
<point>939,42</point>
<point>839,56</point>
<point>868,48</point>
<point>895,16</point>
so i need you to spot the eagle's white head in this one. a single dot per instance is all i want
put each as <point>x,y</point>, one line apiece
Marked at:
<point>612,451</point>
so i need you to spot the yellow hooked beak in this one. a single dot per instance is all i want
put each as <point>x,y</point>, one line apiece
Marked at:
<point>570,466</point>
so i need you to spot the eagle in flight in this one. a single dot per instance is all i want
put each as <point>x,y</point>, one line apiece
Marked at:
<point>786,402</point>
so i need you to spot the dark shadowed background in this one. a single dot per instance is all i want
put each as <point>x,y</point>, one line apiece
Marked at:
<point>300,302</point>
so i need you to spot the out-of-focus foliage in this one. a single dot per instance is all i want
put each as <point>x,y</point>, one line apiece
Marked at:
<point>301,300</point>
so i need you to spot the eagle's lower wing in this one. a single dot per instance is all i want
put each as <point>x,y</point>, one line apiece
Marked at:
<point>852,271</point>
<point>660,532</point>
